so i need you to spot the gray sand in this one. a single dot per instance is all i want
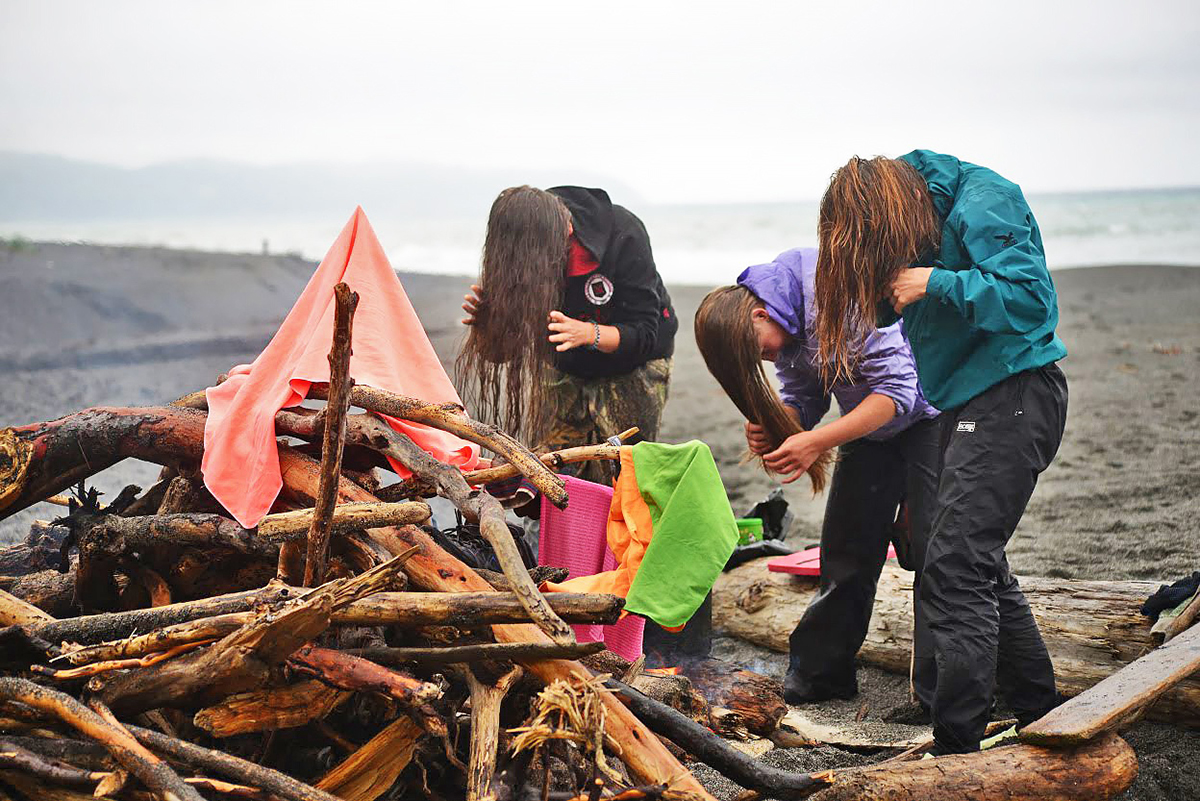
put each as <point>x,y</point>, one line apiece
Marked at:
<point>85,326</point>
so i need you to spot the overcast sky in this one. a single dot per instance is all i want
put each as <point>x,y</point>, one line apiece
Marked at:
<point>683,102</point>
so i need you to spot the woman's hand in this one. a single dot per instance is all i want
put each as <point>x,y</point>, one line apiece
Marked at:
<point>471,304</point>
<point>909,286</point>
<point>567,333</point>
<point>795,455</point>
<point>756,439</point>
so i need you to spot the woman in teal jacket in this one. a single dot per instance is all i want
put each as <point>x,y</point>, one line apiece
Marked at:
<point>954,250</point>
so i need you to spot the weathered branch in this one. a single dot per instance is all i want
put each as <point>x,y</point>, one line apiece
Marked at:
<point>476,505</point>
<point>405,609</point>
<point>154,773</point>
<point>241,660</point>
<point>486,698</point>
<point>334,438</point>
<point>520,651</point>
<point>231,767</point>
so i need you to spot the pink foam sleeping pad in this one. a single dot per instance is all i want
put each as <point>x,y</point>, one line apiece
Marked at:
<point>577,538</point>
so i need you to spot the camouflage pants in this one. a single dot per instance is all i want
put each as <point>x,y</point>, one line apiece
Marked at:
<point>590,410</point>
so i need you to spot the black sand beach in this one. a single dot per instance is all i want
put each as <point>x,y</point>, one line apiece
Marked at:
<point>90,325</point>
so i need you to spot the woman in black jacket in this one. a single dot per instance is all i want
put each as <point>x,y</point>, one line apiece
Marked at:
<point>571,328</point>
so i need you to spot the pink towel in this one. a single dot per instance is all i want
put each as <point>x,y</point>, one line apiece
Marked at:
<point>577,538</point>
<point>390,351</point>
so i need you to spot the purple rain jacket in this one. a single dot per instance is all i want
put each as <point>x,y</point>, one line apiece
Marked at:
<point>786,288</point>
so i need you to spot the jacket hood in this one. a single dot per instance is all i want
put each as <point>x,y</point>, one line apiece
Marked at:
<point>942,173</point>
<point>591,216</point>
<point>783,285</point>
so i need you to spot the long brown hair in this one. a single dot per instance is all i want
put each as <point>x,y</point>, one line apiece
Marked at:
<point>503,366</point>
<point>876,217</point>
<point>725,334</point>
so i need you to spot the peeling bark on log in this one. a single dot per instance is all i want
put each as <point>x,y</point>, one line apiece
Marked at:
<point>48,590</point>
<point>757,699</point>
<point>348,672</point>
<point>275,708</point>
<point>371,770</point>
<point>1092,628</point>
<point>1093,772</point>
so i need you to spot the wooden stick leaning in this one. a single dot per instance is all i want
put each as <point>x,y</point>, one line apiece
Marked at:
<point>407,609</point>
<point>153,772</point>
<point>334,438</point>
<point>475,504</point>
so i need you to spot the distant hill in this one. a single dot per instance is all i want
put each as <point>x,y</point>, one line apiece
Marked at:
<point>52,188</point>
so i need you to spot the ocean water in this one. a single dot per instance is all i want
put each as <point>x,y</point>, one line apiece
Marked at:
<point>697,244</point>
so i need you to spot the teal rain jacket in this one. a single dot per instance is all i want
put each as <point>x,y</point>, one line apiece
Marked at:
<point>990,308</point>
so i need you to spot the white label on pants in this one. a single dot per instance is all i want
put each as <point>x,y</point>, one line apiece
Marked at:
<point>966,425</point>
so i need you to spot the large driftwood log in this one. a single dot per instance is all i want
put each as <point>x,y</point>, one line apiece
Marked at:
<point>1096,771</point>
<point>1091,628</point>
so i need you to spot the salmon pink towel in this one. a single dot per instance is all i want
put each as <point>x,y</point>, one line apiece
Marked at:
<point>390,351</point>
<point>576,538</point>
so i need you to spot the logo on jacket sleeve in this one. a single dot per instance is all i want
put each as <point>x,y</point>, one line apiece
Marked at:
<point>598,289</point>
<point>966,425</point>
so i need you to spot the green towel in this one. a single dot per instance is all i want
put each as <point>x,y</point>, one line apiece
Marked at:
<point>694,532</point>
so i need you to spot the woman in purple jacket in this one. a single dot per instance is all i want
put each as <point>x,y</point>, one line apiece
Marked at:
<point>887,452</point>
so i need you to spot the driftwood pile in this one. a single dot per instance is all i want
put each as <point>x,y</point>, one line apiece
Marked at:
<point>154,648</point>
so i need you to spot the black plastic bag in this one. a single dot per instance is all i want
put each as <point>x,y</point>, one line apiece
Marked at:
<point>466,544</point>
<point>773,511</point>
<point>777,520</point>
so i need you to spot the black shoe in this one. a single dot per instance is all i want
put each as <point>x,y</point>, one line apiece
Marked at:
<point>801,691</point>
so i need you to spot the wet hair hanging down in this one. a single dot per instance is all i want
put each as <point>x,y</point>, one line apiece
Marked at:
<point>504,365</point>
<point>729,346</point>
<point>876,218</point>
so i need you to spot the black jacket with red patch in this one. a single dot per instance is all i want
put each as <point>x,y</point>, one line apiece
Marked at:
<point>624,290</point>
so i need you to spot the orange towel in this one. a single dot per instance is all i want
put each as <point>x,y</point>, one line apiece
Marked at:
<point>629,531</point>
<point>390,351</point>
